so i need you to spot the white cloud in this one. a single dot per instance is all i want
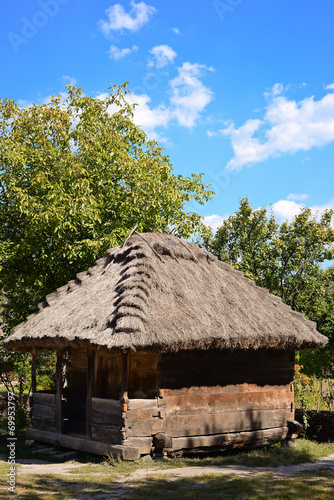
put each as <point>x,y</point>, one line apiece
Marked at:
<point>187,99</point>
<point>288,126</point>
<point>215,221</point>
<point>70,80</point>
<point>116,53</point>
<point>163,55</point>
<point>330,86</point>
<point>189,96</point>
<point>176,31</point>
<point>288,209</point>
<point>301,196</point>
<point>150,118</point>
<point>118,19</point>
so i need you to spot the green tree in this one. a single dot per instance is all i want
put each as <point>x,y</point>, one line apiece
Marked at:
<point>289,259</point>
<point>75,176</point>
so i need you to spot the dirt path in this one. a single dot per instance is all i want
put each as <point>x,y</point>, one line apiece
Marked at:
<point>42,467</point>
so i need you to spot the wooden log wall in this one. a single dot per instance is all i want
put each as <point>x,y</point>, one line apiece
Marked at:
<point>107,420</point>
<point>144,375</point>
<point>43,412</point>
<point>205,396</point>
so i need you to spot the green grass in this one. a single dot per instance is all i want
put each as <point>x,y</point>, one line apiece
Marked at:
<point>101,480</point>
<point>317,485</point>
<point>212,487</point>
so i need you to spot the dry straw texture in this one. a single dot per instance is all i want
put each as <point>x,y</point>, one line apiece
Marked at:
<point>160,293</point>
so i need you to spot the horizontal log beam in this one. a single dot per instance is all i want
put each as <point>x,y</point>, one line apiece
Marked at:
<point>235,440</point>
<point>187,404</point>
<point>42,398</point>
<point>82,444</point>
<point>218,389</point>
<point>212,423</point>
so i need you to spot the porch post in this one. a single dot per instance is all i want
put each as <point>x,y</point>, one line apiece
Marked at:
<point>33,370</point>
<point>90,391</point>
<point>59,390</point>
<point>125,380</point>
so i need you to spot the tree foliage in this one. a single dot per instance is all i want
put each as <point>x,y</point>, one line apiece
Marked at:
<point>290,260</point>
<point>76,175</point>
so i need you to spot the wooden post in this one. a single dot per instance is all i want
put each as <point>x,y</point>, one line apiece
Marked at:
<point>125,380</point>
<point>90,391</point>
<point>33,370</point>
<point>59,390</point>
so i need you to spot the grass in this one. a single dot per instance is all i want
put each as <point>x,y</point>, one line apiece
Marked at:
<point>105,486</point>
<point>212,487</point>
<point>103,480</point>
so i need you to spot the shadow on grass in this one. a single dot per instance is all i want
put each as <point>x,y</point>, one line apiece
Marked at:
<point>208,487</point>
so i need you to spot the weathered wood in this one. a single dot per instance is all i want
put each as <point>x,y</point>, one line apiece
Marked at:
<point>107,406</point>
<point>33,369</point>
<point>125,376</point>
<point>81,444</point>
<point>218,389</point>
<point>48,424</point>
<point>144,428</point>
<point>90,390</point>
<point>188,404</point>
<point>140,414</point>
<point>45,399</point>
<point>143,443</point>
<point>232,440</point>
<point>195,425</point>
<point>135,404</point>
<point>43,411</point>
<point>59,387</point>
<point>194,368</point>
<point>106,411</point>
<point>107,434</point>
<point>144,361</point>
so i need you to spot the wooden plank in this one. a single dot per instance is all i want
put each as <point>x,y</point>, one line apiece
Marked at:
<point>107,434</point>
<point>107,406</point>
<point>233,440</point>
<point>110,419</point>
<point>44,411</point>
<point>47,424</point>
<point>136,404</point>
<point>81,444</point>
<point>144,361</point>
<point>144,428</point>
<point>140,414</point>
<point>143,443</point>
<point>188,404</point>
<point>195,425</point>
<point>218,389</point>
<point>41,398</point>
<point>59,388</point>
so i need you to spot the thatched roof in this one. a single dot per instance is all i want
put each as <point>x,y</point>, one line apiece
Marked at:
<point>161,293</point>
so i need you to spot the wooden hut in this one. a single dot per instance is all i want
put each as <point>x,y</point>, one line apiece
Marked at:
<point>160,346</point>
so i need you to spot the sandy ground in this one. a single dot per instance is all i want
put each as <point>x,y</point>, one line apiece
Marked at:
<point>35,466</point>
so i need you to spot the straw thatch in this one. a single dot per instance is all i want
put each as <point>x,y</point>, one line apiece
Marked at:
<point>161,293</point>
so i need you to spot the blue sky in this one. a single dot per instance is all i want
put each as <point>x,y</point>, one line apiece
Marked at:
<point>241,90</point>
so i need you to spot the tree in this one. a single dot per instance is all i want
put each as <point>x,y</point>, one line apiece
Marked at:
<point>75,176</point>
<point>289,259</point>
